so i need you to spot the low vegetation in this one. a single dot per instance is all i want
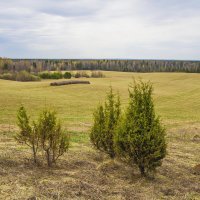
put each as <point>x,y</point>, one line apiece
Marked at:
<point>85,74</point>
<point>45,135</point>
<point>97,74</point>
<point>26,76</point>
<point>81,74</point>
<point>28,134</point>
<point>67,75</point>
<point>22,76</point>
<point>51,75</point>
<point>53,141</point>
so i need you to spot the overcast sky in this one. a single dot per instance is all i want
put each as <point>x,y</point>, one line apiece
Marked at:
<point>138,29</point>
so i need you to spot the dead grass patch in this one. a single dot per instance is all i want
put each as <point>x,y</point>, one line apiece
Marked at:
<point>84,173</point>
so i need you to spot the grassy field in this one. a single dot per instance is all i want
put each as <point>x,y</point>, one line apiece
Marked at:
<point>84,173</point>
<point>176,96</point>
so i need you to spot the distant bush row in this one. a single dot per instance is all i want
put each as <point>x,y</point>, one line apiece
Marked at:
<point>84,74</point>
<point>25,76</point>
<point>68,75</point>
<point>22,76</point>
<point>55,75</point>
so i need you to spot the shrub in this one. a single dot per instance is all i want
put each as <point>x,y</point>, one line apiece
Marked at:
<point>105,122</point>
<point>97,74</point>
<point>45,135</point>
<point>52,139</point>
<point>44,75</point>
<point>28,134</point>
<point>25,76</point>
<point>49,75</point>
<point>7,76</point>
<point>67,75</point>
<point>56,75</point>
<point>140,137</point>
<point>80,74</point>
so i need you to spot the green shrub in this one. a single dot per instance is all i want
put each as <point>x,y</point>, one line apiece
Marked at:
<point>44,75</point>
<point>140,136</point>
<point>56,75</point>
<point>54,142</point>
<point>51,75</point>
<point>45,135</point>
<point>97,74</point>
<point>105,122</point>
<point>67,75</point>
<point>28,134</point>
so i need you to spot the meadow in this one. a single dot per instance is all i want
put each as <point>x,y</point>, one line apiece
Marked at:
<point>84,173</point>
<point>176,97</point>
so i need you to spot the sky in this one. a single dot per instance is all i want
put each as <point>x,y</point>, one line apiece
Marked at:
<point>115,29</point>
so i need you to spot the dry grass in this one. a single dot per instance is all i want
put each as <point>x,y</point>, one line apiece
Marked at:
<point>84,173</point>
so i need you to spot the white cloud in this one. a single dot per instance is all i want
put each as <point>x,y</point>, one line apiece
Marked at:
<point>100,29</point>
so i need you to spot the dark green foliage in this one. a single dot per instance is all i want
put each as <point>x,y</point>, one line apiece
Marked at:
<point>98,129</point>
<point>105,122</point>
<point>54,142</point>
<point>140,137</point>
<point>51,75</point>
<point>28,134</point>
<point>67,75</point>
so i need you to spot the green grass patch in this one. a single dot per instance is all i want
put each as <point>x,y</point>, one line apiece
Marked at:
<point>176,97</point>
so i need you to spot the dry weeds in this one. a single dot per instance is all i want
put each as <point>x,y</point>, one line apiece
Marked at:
<point>84,173</point>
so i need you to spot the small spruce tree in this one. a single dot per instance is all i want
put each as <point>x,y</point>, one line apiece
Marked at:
<point>105,121</point>
<point>28,134</point>
<point>140,137</point>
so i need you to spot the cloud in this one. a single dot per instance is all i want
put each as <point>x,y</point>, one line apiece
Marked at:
<point>100,29</point>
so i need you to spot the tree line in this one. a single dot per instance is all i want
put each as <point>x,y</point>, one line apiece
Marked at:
<point>38,65</point>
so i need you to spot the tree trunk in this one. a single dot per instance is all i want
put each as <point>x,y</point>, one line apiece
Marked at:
<point>34,155</point>
<point>48,158</point>
<point>142,170</point>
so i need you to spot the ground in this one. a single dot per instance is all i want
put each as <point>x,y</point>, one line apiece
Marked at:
<point>84,173</point>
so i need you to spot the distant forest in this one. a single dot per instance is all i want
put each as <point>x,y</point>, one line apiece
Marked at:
<point>38,65</point>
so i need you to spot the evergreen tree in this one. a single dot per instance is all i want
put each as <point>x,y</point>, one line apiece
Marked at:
<point>52,139</point>
<point>98,128</point>
<point>105,122</point>
<point>28,134</point>
<point>45,135</point>
<point>140,137</point>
